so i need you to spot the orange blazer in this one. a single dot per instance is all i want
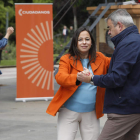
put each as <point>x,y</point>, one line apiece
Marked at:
<point>67,76</point>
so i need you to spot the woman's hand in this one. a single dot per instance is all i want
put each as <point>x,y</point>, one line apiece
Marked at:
<point>87,72</point>
<point>84,76</point>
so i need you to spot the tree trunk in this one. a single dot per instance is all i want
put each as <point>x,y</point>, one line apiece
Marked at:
<point>74,16</point>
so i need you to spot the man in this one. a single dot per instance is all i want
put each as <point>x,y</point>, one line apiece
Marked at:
<point>122,82</point>
<point>71,32</point>
<point>65,33</point>
<point>4,40</point>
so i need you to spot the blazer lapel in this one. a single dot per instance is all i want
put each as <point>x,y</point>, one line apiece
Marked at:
<point>78,67</point>
<point>96,64</point>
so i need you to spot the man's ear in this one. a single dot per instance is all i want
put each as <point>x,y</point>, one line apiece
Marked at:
<point>121,26</point>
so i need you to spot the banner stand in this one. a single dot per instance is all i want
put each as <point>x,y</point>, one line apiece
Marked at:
<point>34,99</point>
<point>34,51</point>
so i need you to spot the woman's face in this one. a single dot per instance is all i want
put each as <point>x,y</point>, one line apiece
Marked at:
<point>84,42</point>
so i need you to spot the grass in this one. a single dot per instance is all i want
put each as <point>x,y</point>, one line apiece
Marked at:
<point>8,63</point>
<point>13,62</point>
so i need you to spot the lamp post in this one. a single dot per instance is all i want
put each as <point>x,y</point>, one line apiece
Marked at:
<point>7,18</point>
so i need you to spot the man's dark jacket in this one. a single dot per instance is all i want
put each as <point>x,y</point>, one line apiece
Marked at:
<point>122,82</point>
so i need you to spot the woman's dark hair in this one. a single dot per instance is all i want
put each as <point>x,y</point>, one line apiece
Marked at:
<point>73,50</point>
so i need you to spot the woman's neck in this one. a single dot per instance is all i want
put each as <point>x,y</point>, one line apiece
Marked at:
<point>84,56</point>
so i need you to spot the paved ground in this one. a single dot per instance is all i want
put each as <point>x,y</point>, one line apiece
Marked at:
<point>25,120</point>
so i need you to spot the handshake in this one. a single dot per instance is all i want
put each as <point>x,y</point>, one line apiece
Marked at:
<point>84,76</point>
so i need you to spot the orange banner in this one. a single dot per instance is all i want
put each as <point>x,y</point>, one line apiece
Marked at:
<point>34,50</point>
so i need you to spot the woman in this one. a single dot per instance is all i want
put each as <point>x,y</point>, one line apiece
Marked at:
<point>82,102</point>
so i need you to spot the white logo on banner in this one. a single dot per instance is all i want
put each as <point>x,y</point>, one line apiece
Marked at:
<point>29,55</point>
<point>32,12</point>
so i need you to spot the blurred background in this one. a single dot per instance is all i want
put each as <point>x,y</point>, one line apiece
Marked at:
<point>69,13</point>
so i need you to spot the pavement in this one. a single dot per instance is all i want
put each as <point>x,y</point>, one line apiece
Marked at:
<point>26,120</point>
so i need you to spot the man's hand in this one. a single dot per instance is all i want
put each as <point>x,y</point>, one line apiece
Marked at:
<point>83,77</point>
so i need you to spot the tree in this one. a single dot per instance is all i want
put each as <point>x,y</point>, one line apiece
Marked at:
<point>3,11</point>
<point>76,16</point>
<point>7,2</point>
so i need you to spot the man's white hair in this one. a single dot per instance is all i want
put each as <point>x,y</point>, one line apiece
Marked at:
<point>121,15</point>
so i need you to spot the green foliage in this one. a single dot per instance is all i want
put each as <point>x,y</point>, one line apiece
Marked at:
<point>22,1</point>
<point>2,17</point>
<point>59,44</point>
<point>5,7</point>
<point>42,1</point>
<point>7,2</point>
<point>9,52</point>
<point>54,56</point>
